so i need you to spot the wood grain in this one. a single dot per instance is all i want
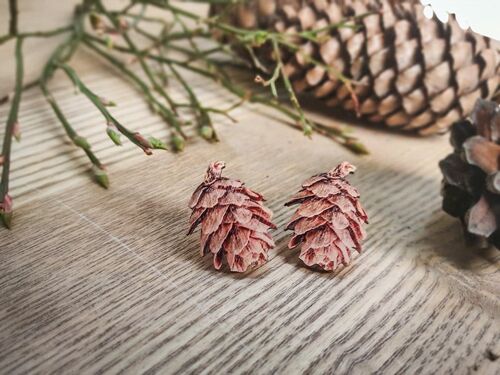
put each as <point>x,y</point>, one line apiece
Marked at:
<point>95,281</point>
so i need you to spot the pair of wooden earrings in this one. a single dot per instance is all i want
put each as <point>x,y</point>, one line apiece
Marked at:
<point>235,224</point>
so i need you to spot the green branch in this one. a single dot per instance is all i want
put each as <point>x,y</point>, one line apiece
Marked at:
<point>12,120</point>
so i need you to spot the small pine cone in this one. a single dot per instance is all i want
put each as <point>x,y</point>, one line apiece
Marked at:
<point>471,183</point>
<point>234,221</point>
<point>415,74</point>
<point>329,220</point>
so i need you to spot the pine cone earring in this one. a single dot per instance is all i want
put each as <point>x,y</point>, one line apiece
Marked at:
<point>234,221</point>
<point>329,221</point>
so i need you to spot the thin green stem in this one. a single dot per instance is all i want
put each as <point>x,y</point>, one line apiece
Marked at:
<point>78,140</point>
<point>5,212</point>
<point>13,17</point>
<point>6,98</point>
<point>36,34</point>
<point>203,116</point>
<point>12,119</point>
<point>306,126</point>
<point>141,17</point>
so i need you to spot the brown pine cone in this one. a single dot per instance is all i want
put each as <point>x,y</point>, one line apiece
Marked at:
<point>414,74</point>
<point>234,221</point>
<point>329,221</point>
<point>471,183</point>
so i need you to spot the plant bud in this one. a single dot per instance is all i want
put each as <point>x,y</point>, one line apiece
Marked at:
<point>178,143</point>
<point>157,144</point>
<point>106,102</point>
<point>96,22</point>
<point>207,132</point>
<point>101,176</point>
<point>144,143</point>
<point>308,130</point>
<point>16,131</point>
<point>113,133</point>
<point>6,210</point>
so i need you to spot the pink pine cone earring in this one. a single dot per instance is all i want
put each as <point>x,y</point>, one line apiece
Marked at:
<point>234,221</point>
<point>329,221</point>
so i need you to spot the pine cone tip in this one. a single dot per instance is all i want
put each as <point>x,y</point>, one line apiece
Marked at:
<point>214,171</point>
<point>342,170</point>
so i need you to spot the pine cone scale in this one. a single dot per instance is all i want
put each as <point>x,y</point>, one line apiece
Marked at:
<point>210,197</point>
<point>481,220</point>
<point>313,207</point>
<point>196,196</point>
<point>240,215</point>
<point>213,219</point>
<point>306,224</point>
<point>194,221</point>
<point>237,240</point>
<point>482,153</point>
<point>234,198</point>
<point>218,238</point>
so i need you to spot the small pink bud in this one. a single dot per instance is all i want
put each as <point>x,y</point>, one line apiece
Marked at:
<point>144,143</point>
<point>97,22</point>
<point>123,23</point>
<point>6,211</point>
<point>106,102</point>
<point>16,131</point>
<point>110,40</point>
<point>6,205</point>
<point>132,60</point>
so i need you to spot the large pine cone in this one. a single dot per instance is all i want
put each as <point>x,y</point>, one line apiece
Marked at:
<point>471,184</point>
<point>234,221</point>
<point>329,221</point>
<point>415,74</point>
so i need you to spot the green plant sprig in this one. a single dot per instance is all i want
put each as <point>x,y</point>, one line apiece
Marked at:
<point>176,37</point>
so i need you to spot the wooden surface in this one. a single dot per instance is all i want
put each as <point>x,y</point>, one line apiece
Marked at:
<point>95,281</point>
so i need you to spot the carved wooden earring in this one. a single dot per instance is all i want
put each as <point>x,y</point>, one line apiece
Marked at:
<point>234,221</point>
<point>329,221</point>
